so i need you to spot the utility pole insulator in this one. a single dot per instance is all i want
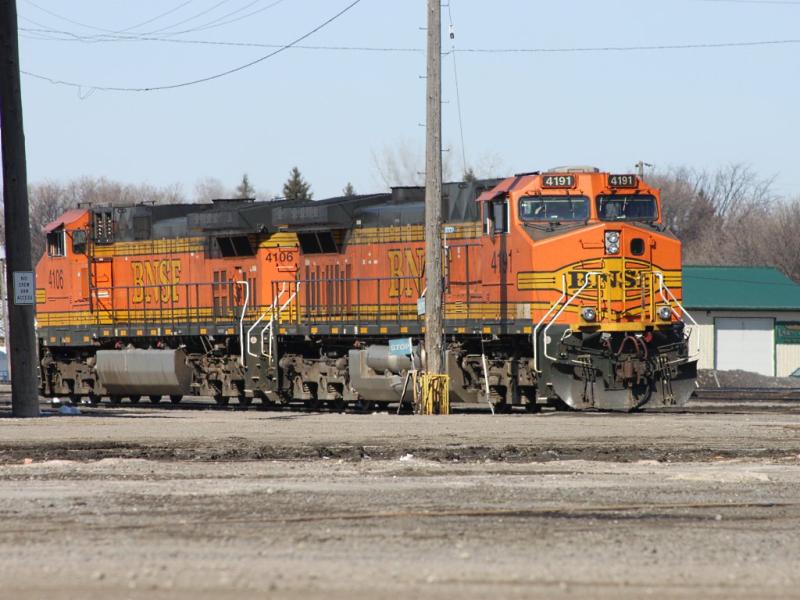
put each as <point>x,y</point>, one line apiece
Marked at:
<point>21,337</point>
<point>434,330</point>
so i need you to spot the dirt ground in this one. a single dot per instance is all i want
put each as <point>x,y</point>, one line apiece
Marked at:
<point>126,503</point>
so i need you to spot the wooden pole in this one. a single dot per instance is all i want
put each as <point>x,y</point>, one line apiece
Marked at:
<point>433,193</point>
<point>21,335</point>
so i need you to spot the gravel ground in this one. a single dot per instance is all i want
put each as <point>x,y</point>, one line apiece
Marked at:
<point>223,504</point>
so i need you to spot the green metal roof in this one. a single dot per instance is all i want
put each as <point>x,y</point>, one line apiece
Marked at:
<point>739,288</point>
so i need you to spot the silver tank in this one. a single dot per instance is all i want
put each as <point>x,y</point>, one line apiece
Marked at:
<point>144,372</point>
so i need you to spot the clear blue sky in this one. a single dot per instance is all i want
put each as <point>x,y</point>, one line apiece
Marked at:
<point>331,111</point>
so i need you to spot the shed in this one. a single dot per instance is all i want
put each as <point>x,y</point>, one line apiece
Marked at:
<point>748,317</point>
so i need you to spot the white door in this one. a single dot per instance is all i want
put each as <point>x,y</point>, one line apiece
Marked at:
<point>745,343</point>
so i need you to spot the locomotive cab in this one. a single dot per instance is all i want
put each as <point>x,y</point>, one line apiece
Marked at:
<point>589,252</point>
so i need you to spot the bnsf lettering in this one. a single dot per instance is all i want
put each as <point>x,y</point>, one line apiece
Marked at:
<point>166,274</point>
<point>409,265</point>
<point>631,279</point>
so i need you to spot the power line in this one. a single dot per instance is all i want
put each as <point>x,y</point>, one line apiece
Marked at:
<point>157,17</point>
<point>72,37</point>
<point>202,79</point>
<point>696,46</point>
<point>192,18</point>
<point>458,92</point>
<point>109,35</point>
<point>103,29</point>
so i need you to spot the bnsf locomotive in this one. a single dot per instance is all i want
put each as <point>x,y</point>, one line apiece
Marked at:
<point>561,287</point>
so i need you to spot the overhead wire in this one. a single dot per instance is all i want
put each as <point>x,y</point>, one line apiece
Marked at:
<point>192,18</point>
<point>71,36</point>
<point>451,31</point>
<point>106,30</point>
<point>199,80</point>
<point>165,31</point>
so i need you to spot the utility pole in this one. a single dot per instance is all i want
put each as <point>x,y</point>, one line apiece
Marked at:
<point>433,193</point>
<point>21,338</point>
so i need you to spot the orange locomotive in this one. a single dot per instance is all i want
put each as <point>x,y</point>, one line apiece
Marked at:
<point>561,287</point>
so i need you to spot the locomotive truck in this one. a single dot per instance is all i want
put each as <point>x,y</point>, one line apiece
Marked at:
<point>561,288</point>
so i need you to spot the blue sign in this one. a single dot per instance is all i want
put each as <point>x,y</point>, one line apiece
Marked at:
<point>400,347</point>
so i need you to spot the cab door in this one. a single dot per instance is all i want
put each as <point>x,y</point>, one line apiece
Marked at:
<point>496,256</point>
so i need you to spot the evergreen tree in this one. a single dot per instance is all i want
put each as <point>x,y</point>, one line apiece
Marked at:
<point>244,189</point>
<point>469,175</point>
<point>348,191</point>
<point>296,188</point>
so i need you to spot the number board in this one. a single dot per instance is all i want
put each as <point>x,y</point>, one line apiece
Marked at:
<point>558,181</point>
<point>623,181</point>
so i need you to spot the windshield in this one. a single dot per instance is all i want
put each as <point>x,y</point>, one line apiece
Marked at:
<point>554,208</point>
<point>627,207</point>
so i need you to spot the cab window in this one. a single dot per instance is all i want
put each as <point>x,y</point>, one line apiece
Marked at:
<point>628,207</point>
<point>496,212</point>
<point>56,245</point>
<point>554,208</point>
<point>79,241</point>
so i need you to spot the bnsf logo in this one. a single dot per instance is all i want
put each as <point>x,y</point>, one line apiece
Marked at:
<point>615,279</point>
<point>163,273</point>
<point>406,268</point>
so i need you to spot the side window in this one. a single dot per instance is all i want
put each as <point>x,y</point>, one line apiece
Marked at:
<point>79,241</point>
<point>496,216</point>
<point>55,243</point>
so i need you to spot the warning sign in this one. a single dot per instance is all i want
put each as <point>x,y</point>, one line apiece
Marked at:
<point>24,288</point>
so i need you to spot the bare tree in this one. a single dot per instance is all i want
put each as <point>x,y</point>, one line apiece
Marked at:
<point>208,189</point>
<point>403,164</point>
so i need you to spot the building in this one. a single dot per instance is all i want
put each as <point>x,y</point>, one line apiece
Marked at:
<point>749,318</point>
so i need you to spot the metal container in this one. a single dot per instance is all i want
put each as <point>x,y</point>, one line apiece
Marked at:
<point>144,372</point>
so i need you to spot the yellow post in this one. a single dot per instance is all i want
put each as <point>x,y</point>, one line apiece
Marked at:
<point>435,394</point>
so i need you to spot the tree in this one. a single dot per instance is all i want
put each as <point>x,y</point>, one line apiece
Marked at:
<point>244,189</point>
<point>296,188</point>
<point>469,175</point>
<point>208,189</point>
<point>348,191</point>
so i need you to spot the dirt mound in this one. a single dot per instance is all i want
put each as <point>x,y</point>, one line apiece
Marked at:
<point>743,379</point>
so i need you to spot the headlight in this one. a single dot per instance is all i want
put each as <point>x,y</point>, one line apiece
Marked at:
<point>612,242</point>
<point>665,313</point>
<point>589,314</point>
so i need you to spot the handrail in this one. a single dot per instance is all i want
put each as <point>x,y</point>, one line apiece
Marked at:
<point>563,308</point>
<point>271,325</point>
<point>246,285</point>
<point>543,319</point>
<point>267,311</point>
<point>662,287</point>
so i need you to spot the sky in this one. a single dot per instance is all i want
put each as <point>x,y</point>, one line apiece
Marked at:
<point>340,114</point>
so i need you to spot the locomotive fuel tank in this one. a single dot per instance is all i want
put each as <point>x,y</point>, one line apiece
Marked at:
<point>144,371</point>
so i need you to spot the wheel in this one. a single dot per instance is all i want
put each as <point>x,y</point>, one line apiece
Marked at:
<point>244,401</point>
<point>115,400</point>
<point>176,398</point>
<point>221,400</point>
<point>155,399</point>
<point>339,405</point>
<point>364,406</point>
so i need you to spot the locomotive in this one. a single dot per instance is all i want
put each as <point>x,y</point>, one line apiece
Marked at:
<point>561,287</point>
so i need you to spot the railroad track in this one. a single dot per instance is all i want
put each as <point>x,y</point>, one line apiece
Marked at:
<point>718,404</point>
